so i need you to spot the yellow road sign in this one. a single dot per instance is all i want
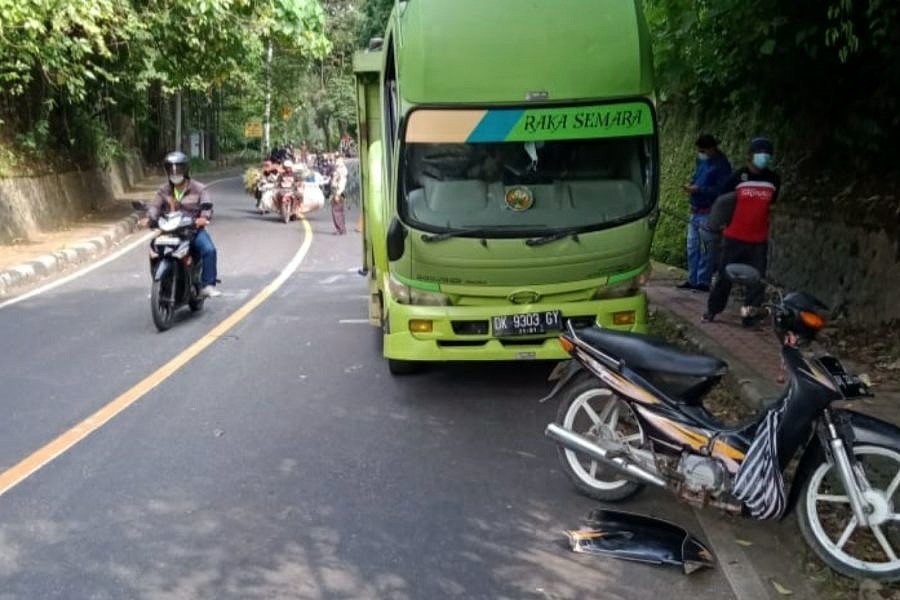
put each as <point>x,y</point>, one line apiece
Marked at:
<point>253,129</point>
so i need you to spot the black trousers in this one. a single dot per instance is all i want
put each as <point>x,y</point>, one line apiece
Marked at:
<point>735,251</point>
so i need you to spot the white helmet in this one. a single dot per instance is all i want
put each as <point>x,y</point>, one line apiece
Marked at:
<point>288,164</point>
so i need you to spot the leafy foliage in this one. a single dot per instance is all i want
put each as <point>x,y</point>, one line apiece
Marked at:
<point>64,62</point>
<point>66,45</point>
<point>805,61</point>
<point>374,20</point>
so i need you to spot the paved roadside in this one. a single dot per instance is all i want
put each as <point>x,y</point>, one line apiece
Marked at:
<point>26,264</point>
<point>753,354</point>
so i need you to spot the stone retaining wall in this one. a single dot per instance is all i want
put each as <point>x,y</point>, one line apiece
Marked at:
<point>29,205</point>
<point>854,269</point>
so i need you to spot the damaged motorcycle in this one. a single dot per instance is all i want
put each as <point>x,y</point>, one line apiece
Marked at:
<point>631,413</point>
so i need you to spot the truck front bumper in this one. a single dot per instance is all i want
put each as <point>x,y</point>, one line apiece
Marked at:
<point>463,333</point>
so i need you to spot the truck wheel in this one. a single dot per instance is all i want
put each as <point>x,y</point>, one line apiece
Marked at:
<point>403,367</point>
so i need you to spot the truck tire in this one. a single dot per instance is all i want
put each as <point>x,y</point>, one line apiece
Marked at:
<point>403,367</point>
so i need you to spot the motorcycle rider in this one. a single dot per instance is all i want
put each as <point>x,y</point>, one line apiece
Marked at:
<point>288,184</point>
<point>265,184</point>
<point>180,192</point>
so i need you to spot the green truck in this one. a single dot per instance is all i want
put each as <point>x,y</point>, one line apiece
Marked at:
<point>510,174</point>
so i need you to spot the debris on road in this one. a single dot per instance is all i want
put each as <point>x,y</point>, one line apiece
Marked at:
<point>640,538</point>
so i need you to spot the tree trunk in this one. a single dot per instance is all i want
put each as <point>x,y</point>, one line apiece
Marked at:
<point>156,131</point>
<point>178,145</point>
<point>266,139</point>
<point>214,125</point>
<point>326,127</point>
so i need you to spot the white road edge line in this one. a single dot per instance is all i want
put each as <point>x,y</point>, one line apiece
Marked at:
<point>93,267</point>
<point>79,273</point>
<point>352,321</point>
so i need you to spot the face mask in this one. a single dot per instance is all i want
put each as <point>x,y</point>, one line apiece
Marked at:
<point>702,156</point>
<point>176,179</point>
<point>761,160</point>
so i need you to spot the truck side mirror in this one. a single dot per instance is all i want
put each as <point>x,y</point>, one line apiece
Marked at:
<point>396,240</point>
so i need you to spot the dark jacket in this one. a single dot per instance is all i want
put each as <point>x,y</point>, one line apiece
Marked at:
<point>195,194</point>
<point>709,176</point>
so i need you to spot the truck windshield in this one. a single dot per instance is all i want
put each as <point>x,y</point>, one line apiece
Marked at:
<point>539,186</point>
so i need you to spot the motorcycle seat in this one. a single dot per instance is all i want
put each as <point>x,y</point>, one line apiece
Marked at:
<point>647,353</point>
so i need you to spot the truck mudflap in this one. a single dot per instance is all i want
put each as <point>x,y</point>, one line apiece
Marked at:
<point>640,538</point>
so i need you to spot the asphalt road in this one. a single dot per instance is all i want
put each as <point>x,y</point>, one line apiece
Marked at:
<point>283,461</point>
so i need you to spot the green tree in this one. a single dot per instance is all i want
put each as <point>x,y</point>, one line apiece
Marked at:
<point>374,20</point>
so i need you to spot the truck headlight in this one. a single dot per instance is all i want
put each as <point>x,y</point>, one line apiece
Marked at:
<point>623,289</point>
<point>404,294</point>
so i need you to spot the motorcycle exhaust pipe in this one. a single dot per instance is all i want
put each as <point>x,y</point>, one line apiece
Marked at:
<point>579,443</point>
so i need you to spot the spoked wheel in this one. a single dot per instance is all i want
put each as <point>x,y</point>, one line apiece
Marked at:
<point>161,307</point>
<point>598,414</point>
<point>860,551</point>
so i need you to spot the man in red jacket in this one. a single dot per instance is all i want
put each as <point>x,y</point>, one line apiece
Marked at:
<point>746,238</point>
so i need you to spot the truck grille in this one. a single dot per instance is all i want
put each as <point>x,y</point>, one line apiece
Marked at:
<point>470,327</point>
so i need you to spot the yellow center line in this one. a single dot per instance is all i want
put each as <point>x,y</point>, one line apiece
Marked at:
<point>38,459</point>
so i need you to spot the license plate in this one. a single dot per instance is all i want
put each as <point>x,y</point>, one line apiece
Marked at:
<point>167,240</point>
<point>527,323</point>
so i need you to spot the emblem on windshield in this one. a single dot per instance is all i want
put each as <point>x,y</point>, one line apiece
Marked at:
<point>519,198</point>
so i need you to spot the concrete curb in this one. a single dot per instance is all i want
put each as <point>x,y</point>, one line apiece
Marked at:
<point>20,276</point>
<point>23,275</point>
<point>755,391</point>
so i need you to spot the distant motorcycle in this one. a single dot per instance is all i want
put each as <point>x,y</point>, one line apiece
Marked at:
<point>175,271</point>
<point>631,413</point>
<point>286,199</point>
<point>265,192</point>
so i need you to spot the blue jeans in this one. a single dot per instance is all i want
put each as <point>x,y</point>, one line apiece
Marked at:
<point>699,271</point>
<point>203,245</point>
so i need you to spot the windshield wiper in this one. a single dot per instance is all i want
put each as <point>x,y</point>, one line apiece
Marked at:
<point>474,232</point>
<point>446,235</point>
<point>552,237</point>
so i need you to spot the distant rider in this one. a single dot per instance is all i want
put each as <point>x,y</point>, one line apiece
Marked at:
<point>338,185</point>
<point>184,194</point>
<point>265,185</point>
<point>288,185</point>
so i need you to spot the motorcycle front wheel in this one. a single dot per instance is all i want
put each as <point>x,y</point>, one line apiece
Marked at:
<point>161,307</point>
<point>594,411</point>
<point>833,532</point>
<point>286,209</point>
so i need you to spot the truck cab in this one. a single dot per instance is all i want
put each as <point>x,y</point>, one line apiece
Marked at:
<point>509,161</point>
